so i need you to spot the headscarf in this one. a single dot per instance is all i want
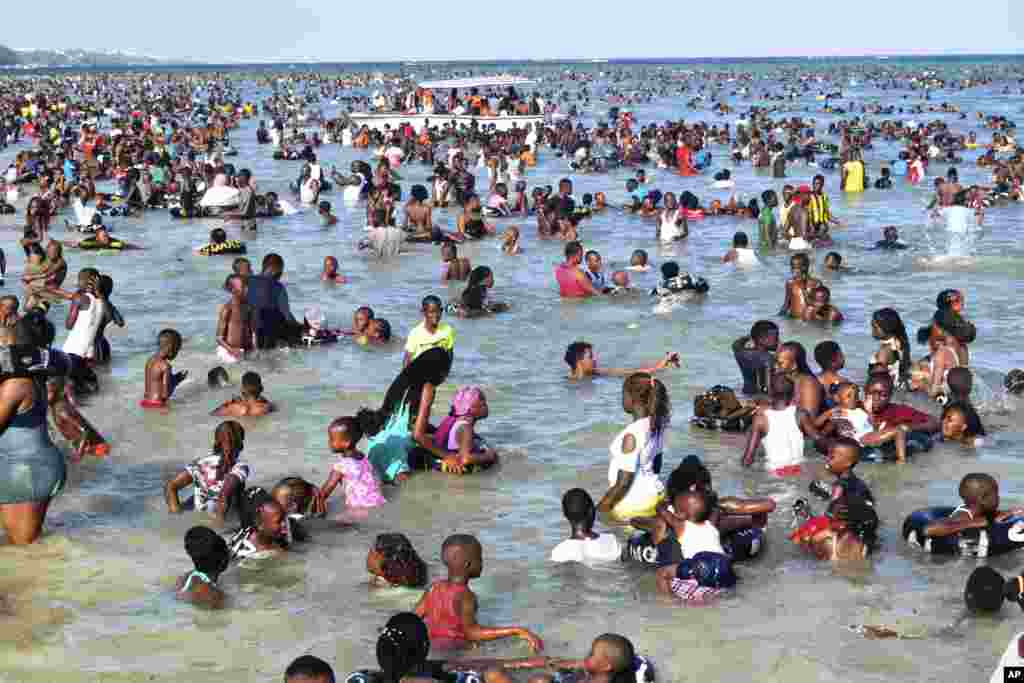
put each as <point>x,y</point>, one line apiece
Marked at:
<point>464,399</point>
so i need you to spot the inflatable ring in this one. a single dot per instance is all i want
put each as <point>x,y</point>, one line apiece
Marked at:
<point>739,545</point>
<point>996,539</point>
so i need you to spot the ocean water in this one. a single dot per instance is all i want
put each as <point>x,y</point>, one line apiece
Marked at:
<point>92,601</point>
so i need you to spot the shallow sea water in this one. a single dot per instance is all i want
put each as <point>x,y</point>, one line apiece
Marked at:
<point>92,601</point>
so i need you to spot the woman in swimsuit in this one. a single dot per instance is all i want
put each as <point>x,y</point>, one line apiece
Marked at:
<point>32,470</point>
<point>894,347</point>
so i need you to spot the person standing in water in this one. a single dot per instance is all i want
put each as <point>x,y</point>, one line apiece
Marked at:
<point>573,283</point>
<point>85,316</point>
<point>32,470</point>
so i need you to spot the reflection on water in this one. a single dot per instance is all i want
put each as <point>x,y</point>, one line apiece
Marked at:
<point>91,603</point>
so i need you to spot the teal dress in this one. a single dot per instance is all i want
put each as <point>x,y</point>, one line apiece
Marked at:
<point>388,450</point>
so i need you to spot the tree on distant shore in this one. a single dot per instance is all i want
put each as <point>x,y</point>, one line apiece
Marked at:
<point>7,56</point>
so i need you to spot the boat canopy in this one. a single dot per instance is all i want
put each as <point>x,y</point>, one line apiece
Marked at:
<point>492,81</point>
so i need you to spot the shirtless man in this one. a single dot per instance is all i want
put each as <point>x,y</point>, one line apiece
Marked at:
<point>948,190</point>
<point>161,380</point>
<point>799,288</point>
<point>236,323</point>
<point>418,214</point>
<point>808,394</point>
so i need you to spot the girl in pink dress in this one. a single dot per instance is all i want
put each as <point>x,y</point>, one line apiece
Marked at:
<point>352,470</point>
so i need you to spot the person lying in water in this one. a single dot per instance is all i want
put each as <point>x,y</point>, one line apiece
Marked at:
<point>101,240</point>
<point>582,362</point>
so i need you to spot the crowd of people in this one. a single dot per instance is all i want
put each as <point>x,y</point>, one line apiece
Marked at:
<point>168,150</point>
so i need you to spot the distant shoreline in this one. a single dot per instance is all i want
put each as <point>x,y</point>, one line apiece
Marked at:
<point>593,62</point>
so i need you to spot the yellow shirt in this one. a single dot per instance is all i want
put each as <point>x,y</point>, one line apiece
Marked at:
<point>854,176</point>
<point>420,340</point>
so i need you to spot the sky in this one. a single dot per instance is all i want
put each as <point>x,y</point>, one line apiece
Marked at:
<point>304,30</point>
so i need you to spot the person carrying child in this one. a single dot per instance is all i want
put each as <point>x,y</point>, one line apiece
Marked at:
<point>692,557</point>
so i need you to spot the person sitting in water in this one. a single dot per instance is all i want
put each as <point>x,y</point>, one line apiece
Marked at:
<point>582,362</point>
<point>777,429</point>
<point>819,307</point>
<point>392,561</point>
<point>456,437</point>
<point>210,558</point>
<point>471,223</point>
<point>220,244</point>
<point>980,508</point>
<point>834,262</point>
<point>161,380</point>
<point>218,479</point>
<point>330,272</point>
<point>250,402</point>
<point>890,239</point>
<point>693,550</point>
<point>572,281</point>
<point>265,528</point>
<point>741,254</point>
<point>962,425</point>
<point>829,356</point>
<point>850,534</point>
<point>297,496</point>
<point>848,419</point>
<point>453,266</point>
<point>583,544</point>
<point>449,607</point>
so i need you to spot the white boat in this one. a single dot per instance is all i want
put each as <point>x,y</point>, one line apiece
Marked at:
<point>392,120</point>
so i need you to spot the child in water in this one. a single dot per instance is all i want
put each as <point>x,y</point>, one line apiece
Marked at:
<point>83,437</point>
<point>820,308</point>
<point>583,544</point>
<point>217,479</point>
<point>849,419</point>
<point>980,495</point>
<point>353,470</point>
<point>693,551</point>
<point>392,561</point>
<point>961,425</point>
<point>327,218</point>
<point>510,241</point>
<point>250,402</point>
<point>777,428</point>
<point>330,272</point>
<point>209,554</point>
<point>449,607</point>
<point>456,435</point>
<point>161,380</point>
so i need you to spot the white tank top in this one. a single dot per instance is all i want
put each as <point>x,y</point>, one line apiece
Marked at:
<point>81,340</point>
<point>667,228</point>
<point>746,257</point>
<point>700,538</point>
<point>784,442</point>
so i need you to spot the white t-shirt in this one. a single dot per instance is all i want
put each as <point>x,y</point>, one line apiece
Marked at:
<point>646,489</point>
<point>604,548</point>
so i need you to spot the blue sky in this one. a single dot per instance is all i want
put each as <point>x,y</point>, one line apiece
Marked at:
<point>459,29</point>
